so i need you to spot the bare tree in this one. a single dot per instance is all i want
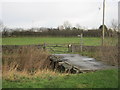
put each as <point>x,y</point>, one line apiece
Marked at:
<point>67,25</point>
<point>114,25</point>
<point>78,26</point>
<point>114,28</point>
<point>1,25</point>
<point>1,28</point>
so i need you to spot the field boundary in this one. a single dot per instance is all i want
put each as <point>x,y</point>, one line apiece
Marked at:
<point>59,47</point>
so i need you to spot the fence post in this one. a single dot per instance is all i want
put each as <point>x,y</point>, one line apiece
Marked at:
<point>69,48</point>
<point>81,42</point>
<point>44,46</point>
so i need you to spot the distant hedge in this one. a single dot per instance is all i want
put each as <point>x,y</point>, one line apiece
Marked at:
<point>61,33</point>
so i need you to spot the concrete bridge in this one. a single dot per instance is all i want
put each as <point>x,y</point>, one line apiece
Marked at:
<point>75,63</point>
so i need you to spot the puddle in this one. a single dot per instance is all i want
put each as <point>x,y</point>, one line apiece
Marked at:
<point>83,62</point>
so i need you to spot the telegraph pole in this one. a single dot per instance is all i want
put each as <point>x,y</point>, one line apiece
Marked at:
<point>103,28</point>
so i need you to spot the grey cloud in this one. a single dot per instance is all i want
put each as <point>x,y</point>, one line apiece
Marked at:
<point>51,14</point>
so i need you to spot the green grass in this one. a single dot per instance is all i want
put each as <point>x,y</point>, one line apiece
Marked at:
<point>91,41</point>
<point>98,79</point>
<point>51,40</point>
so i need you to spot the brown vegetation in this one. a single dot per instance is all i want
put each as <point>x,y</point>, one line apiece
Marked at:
<point>25,59</point>
<point>14,75</point>
<point>107,54</point>
<point>26,62</point>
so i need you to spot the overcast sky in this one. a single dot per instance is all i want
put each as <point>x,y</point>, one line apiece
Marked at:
<point>52,13</point>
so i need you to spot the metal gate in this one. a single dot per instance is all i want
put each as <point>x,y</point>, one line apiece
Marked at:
<point>57,48</point>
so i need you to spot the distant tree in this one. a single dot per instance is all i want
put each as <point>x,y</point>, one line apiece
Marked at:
<point>101,27</point>
<point>114,25</point>
<point>1,28</point>
<point>67,25</point>
<point>74,28</point>
<point>4,32</point>
<point>1,25</point>
<point>61,27</point>
<point>78,26</point>
<point>105,30</point>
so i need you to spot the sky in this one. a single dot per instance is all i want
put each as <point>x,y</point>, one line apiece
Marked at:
<point>52,13</point>
<point>119,16</point>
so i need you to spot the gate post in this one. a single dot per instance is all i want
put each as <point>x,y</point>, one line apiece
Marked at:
<point>69,48</point>
<point>44,46</point>
<point>81,42</point>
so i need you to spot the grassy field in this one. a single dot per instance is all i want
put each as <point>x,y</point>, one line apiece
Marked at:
<point>98,79</point>
<point>50,40</point>
<point>92,41</point>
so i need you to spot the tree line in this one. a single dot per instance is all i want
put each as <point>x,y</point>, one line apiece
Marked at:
<point>60,33</point>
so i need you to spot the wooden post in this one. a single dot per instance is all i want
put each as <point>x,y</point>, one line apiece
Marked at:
<point>44,46</point>
<point>69,48</point>
<point>81,42</point>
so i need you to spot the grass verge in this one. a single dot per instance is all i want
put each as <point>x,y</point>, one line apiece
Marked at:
<point>98,79</point>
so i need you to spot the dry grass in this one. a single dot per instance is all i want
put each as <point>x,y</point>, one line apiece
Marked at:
<point>26,62</point>
<point>25,58</point>
<point>14,75</point>
<point>108,53</point>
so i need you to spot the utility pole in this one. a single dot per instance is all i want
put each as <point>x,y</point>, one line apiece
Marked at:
<point>118,32</point>
<point>103,28</point>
